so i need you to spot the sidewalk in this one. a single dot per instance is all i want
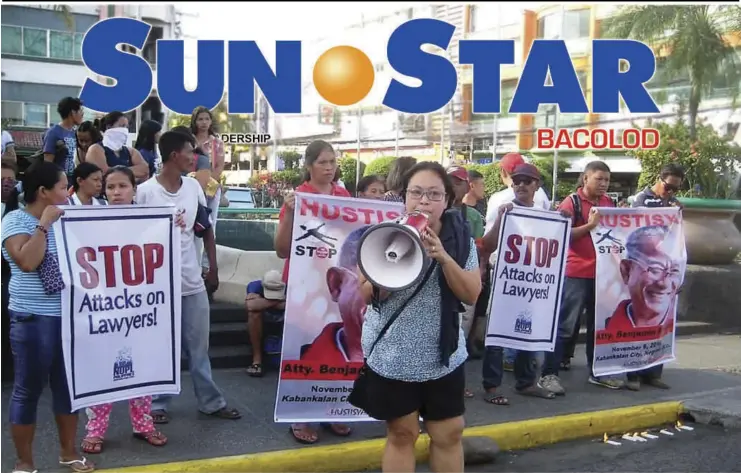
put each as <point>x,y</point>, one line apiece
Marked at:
<point>707,365</point>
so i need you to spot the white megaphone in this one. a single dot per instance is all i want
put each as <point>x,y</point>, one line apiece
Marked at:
<point>391,255</point>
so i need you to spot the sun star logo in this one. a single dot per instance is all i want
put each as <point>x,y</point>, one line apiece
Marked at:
<point>344,75</point>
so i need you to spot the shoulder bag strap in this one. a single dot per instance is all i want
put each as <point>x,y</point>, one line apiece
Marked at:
<point>401,308</point>
<point>576,203</point>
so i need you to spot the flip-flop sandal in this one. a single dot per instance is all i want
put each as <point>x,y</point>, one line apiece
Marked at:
<point>332,428</point>
<point>92,445</point>
<point>536,391</point>
<point>255,370</point>
<point>226,413</point>
<point>152,438</point>
<point>297,431</point>
<point>468,394</point>
<point>496,399</point>
<point>160,417</point>
<point>80,465</point>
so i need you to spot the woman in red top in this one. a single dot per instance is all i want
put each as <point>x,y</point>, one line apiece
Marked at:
<point>320,164</point>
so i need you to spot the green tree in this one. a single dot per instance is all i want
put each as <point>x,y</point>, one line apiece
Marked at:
<point>697,40</point>
<point>379,166</point>
<point>710,161</point>
<point>348,167</point>
<point>563,187</point>
<point>492,180</point>
<point>291,159</point>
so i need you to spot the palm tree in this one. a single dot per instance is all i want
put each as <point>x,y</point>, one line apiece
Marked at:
<point>697,38</point>
<point>66,13</point>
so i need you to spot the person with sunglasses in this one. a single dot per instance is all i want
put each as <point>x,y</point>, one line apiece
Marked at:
<point>525,183</point>
<point>661,194</point>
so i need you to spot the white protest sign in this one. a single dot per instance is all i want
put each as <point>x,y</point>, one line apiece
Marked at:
<point>528,278</point>
<point>121,302</point>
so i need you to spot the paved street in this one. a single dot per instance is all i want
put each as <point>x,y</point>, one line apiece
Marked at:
<point>706,449</point>
<point>707,364</point>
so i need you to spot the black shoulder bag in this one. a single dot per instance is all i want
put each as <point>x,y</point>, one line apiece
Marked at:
<point>359,395</point>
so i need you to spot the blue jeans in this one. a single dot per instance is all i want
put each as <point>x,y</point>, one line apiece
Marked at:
<point>524,368</point>
<point>195,328</point>
<point>509,355</point>
<point>36,342</point>
<point>578,296</point>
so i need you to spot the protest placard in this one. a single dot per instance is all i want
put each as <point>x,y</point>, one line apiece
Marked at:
<point>121,302</point>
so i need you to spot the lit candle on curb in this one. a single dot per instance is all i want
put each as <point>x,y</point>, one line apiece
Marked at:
<point>649,436</point>
<point>683,427</point>
<point>638,437</point>
<point>606,439</point>
<point>665,432</point>
<point>629,436</point>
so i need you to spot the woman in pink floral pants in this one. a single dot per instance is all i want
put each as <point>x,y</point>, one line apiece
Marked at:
<point>140,409</point>
<point>119,185</point>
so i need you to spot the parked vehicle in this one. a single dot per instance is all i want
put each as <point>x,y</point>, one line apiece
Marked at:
<point>240,198</point>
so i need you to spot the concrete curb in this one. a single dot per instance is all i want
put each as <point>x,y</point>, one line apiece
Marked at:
<point>366,454</point>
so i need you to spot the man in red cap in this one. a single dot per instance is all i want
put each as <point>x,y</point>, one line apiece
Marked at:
<point>506,167</point>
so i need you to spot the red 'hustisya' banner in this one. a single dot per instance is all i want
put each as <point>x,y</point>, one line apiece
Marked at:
<point>641,259</point>
<point>322,352</point>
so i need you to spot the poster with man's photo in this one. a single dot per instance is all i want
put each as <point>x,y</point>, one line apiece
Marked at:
<point>641,260</point>
<point>322,353</point>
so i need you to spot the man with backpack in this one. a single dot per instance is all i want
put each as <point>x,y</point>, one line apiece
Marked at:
<point>579,287</point>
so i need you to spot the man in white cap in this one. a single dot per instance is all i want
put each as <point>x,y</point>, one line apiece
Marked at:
<point>266,299</point>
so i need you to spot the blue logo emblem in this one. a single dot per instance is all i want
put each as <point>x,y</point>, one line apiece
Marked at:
<point>524,323</point>
<point>123,367</point>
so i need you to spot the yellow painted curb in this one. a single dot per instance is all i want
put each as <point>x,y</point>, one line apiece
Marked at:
<point>366,455</point>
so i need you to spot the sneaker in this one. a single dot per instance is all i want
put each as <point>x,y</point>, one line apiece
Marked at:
<point>566,364</point>
<point>553,384</point>
<point>509,366</point>
<point>657,383</point>
<point>633,385</point>
<point>609,383</point>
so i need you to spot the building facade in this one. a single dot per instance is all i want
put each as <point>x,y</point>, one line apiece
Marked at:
<point>42,61</point>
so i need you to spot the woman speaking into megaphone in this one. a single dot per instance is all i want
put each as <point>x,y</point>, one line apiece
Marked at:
<point>413,340</point>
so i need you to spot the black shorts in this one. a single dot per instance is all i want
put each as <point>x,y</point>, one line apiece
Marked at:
<point>438,399</point>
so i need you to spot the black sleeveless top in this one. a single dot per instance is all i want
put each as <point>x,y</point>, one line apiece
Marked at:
<point>124,158</point>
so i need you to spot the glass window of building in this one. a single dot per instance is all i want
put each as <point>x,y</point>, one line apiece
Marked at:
<point>576,25</point>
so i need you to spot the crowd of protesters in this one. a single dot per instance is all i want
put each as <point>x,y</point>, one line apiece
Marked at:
<point>91,163</point>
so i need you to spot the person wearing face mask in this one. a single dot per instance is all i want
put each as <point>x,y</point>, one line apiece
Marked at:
<point>112,150</point>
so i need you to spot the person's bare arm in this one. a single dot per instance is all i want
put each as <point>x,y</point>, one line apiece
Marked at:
<point>366,289</point>
<point>96,155</point>
<point>9,155</point>
<point>203,177</point>
<point>255,303</point>
<point>139,166</point>
<point>217,165</point>
<point>49,157</point>
<point>583,230</point>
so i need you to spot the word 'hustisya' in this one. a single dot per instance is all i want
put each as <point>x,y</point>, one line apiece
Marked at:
<point>282,87</point>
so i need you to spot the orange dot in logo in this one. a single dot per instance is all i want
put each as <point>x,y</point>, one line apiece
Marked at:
<point>343,75</point>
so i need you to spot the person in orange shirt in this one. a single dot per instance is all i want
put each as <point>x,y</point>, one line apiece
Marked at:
<point>652,279</point>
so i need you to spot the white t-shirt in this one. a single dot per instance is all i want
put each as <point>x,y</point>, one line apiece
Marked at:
<point>7,140</point>
<point>508,195</point>
<point>186,200</point>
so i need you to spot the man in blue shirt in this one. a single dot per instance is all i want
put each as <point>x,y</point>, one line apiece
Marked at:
<point>266,299</point>
<point>661,194</point>
<point>71,112</point>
